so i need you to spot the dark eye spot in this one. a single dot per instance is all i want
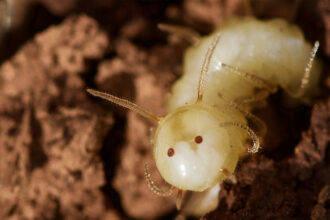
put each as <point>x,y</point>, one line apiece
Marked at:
<point>198,139</point>
<point>170,152</point>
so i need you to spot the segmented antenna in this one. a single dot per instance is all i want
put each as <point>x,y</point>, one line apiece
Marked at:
<point>184,32</point>
<point>152,186</point>
<point>125,103</point>
<point>307,73</point>
<point>305,79</point>
<point>253,136</point>
<point>205,67</point>
<point>258,81</point>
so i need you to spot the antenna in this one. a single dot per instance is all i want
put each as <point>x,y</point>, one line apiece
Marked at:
<point>124,103</point>
<point>205,67</point>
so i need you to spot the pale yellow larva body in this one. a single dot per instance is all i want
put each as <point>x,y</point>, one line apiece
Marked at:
<point>198,143</point>
<point>274,50</point>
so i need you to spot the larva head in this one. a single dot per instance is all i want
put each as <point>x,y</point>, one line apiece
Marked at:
<point>191,148</point>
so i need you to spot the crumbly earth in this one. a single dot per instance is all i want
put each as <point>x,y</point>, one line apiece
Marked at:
<point>66,155</point>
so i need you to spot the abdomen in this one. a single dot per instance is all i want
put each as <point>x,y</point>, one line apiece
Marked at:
<point>274,50</point>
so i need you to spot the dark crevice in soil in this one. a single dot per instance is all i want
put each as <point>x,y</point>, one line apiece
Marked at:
<point>109,154</point>
<point>287,123</point>
<point>36,153</point>
<point>89,76</point>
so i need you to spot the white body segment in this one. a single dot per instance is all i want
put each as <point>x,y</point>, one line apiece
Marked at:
<point>274,50</point>
<point>200,203</point>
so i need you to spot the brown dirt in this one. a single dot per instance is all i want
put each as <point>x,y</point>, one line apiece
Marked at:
<point>66,155</point>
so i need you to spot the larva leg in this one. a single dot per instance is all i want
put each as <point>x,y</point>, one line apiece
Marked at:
<point>184,32</point>
<point>179,199</point>
<point>260,125</point>
<point>234,105</point>
<point>229,175</point>
<point>247,100</point>
<point>253,136</point>
<point>256,80</point>
<point>152,186</point>
<point>305,79</point>
<point>258,97</point>
<point>125,103</point>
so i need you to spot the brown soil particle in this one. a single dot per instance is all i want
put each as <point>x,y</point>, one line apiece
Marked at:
<point>321,209</point>
<point>67,155</point>
<point>49,167</point>
<point>286,189</point>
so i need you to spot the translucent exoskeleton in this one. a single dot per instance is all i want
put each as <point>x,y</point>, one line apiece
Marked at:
<point>198,143</point>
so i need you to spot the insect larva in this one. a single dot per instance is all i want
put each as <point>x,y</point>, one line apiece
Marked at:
<point>198,144</point>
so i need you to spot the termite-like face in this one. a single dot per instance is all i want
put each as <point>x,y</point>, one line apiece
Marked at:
<point>192,149</point>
